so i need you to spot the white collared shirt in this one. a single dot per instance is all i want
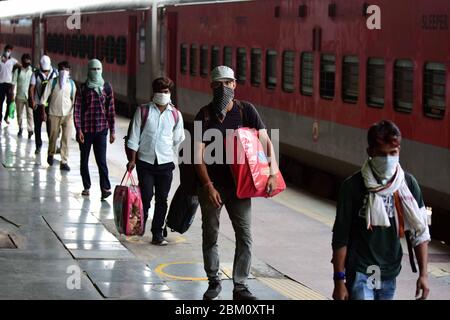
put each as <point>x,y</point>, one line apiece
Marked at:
<point>6,70</point>
<point>161,136</point>
<point>61,101</point>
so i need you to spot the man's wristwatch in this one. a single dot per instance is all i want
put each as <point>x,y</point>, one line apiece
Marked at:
<point>339,276</point>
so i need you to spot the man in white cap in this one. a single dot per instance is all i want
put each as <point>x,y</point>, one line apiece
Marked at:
<point>218,187</point>
<point>38,83</point>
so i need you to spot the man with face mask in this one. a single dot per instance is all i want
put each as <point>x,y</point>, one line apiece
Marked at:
<point>38,83</point>
<point>217,185</point>
<point>60,94</point>
<point>7,65</point>
<point>94,115</point>
<point>21,79</point>
<point>377,206</point>
<point>153,149</point>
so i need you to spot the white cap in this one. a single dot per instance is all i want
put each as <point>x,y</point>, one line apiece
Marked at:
<point>46,63</point>
<point>222,73</point>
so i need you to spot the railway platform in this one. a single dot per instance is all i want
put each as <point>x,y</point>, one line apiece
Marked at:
<point>56,244</point>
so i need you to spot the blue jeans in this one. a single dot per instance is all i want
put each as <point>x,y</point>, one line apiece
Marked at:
<point>359,289</point>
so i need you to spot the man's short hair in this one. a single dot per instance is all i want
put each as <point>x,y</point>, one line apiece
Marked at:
<point>63,65</point>
<point>162,83</point>
<point>26,56</point>
<point>383,132</point>
<point>8,47</point>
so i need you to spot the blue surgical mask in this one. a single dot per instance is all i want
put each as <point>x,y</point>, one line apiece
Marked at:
<point>385,167</point>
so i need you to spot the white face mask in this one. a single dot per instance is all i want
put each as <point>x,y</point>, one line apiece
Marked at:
<point>161,99</point>
<point>385,167</point>
<point>63,76</point>
<point>8,54</point>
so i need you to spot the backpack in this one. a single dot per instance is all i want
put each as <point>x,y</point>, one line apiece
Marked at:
<point>44,81</point>
<point>144,109</point>
<point>206,113</point>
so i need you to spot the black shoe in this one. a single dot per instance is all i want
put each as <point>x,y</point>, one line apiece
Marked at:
<point>64,167</point>
<point>105,194</point>
<point>50,160</point>
<point>19,134</point>
<point>243,294</point>
<point>30,133</point>
<point>214,289</point>
<point>85,192</point>
<point>38,150</point>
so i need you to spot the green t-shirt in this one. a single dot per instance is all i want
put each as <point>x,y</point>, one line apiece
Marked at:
<point>379,246</point>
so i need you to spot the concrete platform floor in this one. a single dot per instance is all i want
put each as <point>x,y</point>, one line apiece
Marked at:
<point>68,246</point>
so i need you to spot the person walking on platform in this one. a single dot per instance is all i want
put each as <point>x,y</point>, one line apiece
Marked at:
<point>7,65</point>
<point>377,206</point>
<point>153,146</point>
<point>38,83</point>
<point>218,188</point>
<point>94,115</point>
<point>21,79</point>
<point>60,93</point>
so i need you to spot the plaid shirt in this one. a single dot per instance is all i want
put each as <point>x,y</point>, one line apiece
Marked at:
<point>97,113</point>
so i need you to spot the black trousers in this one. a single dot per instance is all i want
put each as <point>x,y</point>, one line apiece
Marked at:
<point>155,179</point>
<point>5,92</point>
<point>98,140</point>
<point>38,118</point>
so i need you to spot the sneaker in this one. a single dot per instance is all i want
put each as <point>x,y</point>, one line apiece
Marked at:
<point>243,294</point>
<point>160,242</point>
<point>50,160</point>
<point>30,134</point>
<point>19,134</point>
<point>214,289</point>
<point>38,150</point>
<point>85,192</point>
<point>64,167</point>
<point>106,194</point>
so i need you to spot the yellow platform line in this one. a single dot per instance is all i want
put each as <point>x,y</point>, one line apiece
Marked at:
<point>292,289</point>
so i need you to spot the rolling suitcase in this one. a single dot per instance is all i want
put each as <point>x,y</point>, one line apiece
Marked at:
<point>128,209</point>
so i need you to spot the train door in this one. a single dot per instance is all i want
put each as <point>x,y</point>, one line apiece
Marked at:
<point>132,56</point>
<point>171,52</point>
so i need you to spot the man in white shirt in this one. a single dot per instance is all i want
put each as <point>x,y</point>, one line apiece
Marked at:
<point>38,83</point>
<point>60,95</point>
<point>7,64</point>
<point>21,79</point>
<point>155,144</point>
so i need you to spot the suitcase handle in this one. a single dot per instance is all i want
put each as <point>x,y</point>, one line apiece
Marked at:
<point>130,176</point>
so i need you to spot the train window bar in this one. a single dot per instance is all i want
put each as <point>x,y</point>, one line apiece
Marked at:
<point>228,56</point>
<point>288,71</point>
<point>241,65</point>
<point>271,69</point>
<point>215,57</point>
<point>255,67</point>
<point>204,61</point>
<point>327,76</point>
<point>403,85</point>
<point>375,82</point>
<point>350,79</point>
<point>193,60</point>
<point>121,50</point>
<point>110,49</point>
<point>434,86</point>
<point>306,73</point>
<point>183,58</point>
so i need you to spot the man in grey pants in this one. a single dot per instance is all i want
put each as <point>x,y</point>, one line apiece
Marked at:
<point>218,187</point>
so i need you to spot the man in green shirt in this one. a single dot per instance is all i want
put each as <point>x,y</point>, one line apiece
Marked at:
<point>21,79</point>
<point>376,207</point>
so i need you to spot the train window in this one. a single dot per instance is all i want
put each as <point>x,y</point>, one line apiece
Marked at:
<point>121,48</point>
<point>375,82</point>
<point>49,42</point>
<point>61,44</point>
<point>434,90</point>
<point>204,61</point>
<point>403,85</point>
<point>193,60</point>
<point>110,49</point>
<point>241,65</point>
<point>288,71</point>
<point>100,48</point>
<point>183,59</point>
<point>327,75</point>
<point>74,45</point>
<point>255,70</point>
<point>271,69</point>
<point>215,56</point>
<point>68,45</point>
<point>90,47</point>
<point>350,79</point>
<point>307,73</point>
<point>82,46</point>
<point>228,56</point>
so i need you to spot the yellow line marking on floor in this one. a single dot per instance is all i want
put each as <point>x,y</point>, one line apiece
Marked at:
<point>160,270</point>
<point>292,289</point>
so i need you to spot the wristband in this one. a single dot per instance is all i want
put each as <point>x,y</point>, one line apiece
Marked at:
<point>339,276</point>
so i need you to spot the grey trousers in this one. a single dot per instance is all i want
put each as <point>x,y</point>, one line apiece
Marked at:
<point>239,211</point>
